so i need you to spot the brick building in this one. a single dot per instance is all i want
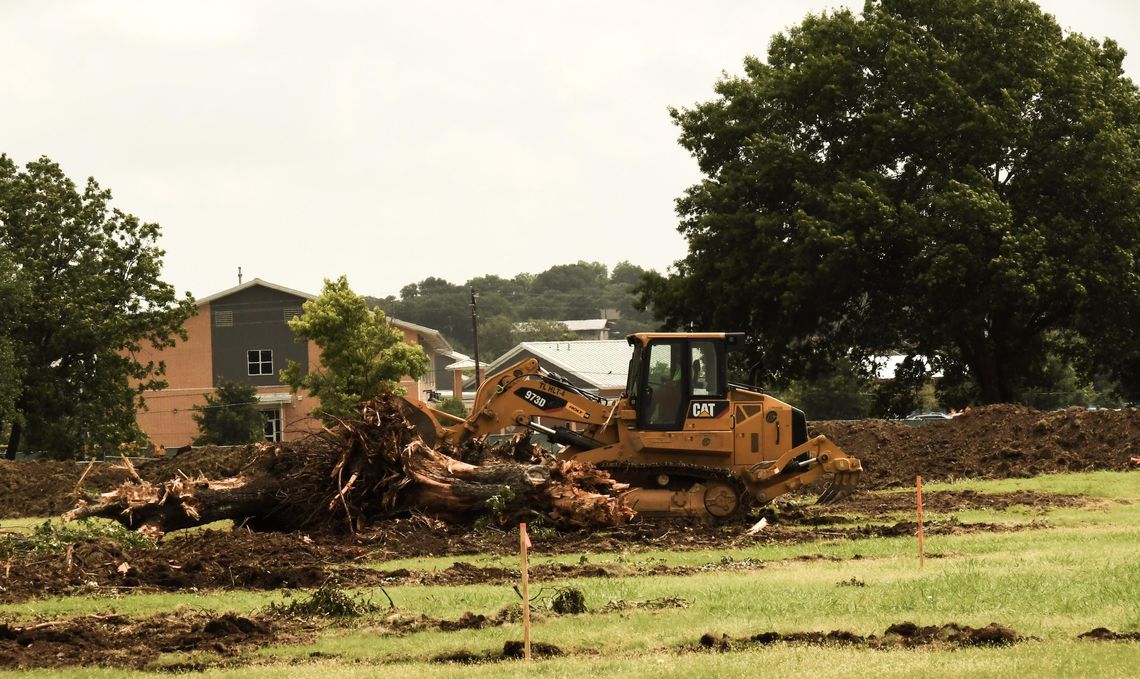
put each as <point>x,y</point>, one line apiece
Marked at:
<point>242,334</point>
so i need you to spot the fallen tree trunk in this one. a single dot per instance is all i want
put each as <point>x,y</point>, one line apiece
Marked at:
<point>360,471</point>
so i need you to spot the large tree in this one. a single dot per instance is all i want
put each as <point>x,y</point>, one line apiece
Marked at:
<point>81,294</point>
<point>954,179</point>
<point>11,299</point>
<point>362,354</point>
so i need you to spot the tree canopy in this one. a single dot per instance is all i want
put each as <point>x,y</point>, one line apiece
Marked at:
<point>362,354</point>
<point>230,416</point>
<point>950,179</point>
<point>80,293</point>
<point>526,307</point>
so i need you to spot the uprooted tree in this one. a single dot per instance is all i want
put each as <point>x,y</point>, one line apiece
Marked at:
<point>362,469</point>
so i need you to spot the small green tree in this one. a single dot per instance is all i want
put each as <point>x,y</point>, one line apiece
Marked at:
<point>362,355</point>
<point>453,406</point>
<point>230,416</point>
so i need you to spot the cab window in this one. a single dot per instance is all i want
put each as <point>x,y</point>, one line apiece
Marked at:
<point>664,394</point>
<point>704,369</point>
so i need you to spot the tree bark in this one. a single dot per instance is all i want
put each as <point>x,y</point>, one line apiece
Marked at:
<point>13,441</point>
<point>984,365</point>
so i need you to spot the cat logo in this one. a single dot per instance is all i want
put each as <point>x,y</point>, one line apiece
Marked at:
<point>707,409</point>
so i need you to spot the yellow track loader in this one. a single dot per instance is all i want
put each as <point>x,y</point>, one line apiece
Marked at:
<point>688,441</point>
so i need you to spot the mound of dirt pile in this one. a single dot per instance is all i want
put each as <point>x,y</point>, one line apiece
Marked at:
<point>207,560</point>
<point>999,441</point>
<point>45,487</point>
<point>119,641</point>
<point>900,635</point>
<point>213,462</point>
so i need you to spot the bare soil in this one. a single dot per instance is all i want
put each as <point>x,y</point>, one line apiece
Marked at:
<point>900,635</point>
<point>119,641</point>
<point>240,559</point>
<point>47,487</point>
<point>1000,441</point>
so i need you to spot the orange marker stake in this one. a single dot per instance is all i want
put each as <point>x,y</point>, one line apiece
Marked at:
<point>524,543</point>
<point>918,485</point>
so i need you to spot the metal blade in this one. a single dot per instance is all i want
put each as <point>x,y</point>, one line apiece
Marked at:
<point>842,483</point>
<point>422,422</point>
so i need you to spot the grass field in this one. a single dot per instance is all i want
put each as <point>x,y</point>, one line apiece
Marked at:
<point>1079,571</point>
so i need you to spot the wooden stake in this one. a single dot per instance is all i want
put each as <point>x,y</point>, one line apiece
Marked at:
<point>918,486</point>
<point>524,543</point>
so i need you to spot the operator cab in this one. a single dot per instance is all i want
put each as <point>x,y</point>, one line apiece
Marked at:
<point>668,371</point>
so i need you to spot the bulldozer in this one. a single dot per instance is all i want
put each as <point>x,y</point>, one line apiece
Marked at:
<point>686,439</point>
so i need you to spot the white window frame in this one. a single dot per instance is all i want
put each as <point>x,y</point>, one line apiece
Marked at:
<point>273,428</point>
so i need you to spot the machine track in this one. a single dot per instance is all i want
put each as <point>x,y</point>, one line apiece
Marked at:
<point>725,494</point>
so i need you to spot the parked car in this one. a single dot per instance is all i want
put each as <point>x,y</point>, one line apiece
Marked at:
<point>929,415</point>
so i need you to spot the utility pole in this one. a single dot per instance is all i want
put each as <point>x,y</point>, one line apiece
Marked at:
<point>475,335</point>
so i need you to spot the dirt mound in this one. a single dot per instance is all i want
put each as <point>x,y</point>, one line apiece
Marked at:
<point>512,650</point>
<point>119,641</point>
<point>45,487</point>
<point>214,462</point>
<point>1000,441</point>
<point>1105,634</point>
<point>900,635</point>
<point>207,560</point>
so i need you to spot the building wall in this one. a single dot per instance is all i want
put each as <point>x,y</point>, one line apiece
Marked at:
<point>168,412</point>
<point>414,388</point>
<point>255,319</point>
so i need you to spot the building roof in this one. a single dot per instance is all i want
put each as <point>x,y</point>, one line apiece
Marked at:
<point>432,337</point>
<point>602,363</point>
<point>587,324</point>
<point>253,283</point>
<point>461,365</point>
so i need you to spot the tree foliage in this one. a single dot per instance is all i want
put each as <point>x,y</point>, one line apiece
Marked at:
<point>230,416</point>
<point>362,354</point>
<point>840,394</point>
<point>955,179</point>
<point>452,406</point>
<point>81,293</point>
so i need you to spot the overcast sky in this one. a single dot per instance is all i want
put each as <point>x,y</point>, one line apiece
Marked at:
<point>391,141</point>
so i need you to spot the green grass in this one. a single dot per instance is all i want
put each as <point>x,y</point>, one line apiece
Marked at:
<point>1052,583</point>
<point>1118,485</point>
